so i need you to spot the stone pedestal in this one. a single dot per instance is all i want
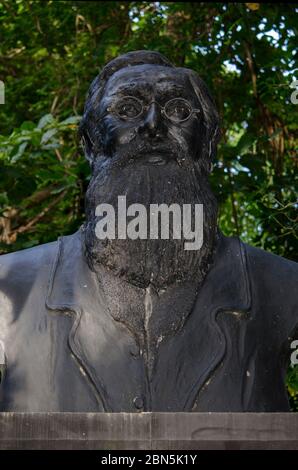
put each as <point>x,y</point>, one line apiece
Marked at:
<point>149,431</point>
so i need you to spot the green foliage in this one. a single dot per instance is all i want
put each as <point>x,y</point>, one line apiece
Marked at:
<point>41,182</point>
<point>292,381</point>
<point>49,53</point>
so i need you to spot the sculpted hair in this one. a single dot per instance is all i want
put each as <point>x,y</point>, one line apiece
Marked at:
<point>90,128</point>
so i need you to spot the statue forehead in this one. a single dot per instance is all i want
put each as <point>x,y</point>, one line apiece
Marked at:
<point>153,75</point>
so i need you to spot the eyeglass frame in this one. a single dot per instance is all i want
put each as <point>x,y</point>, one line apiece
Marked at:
<point>144,107</point>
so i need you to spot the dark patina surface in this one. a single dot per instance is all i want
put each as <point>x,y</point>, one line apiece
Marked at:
<point>118,325</point>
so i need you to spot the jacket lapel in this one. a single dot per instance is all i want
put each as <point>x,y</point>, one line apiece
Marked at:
<point>100,346</point>
<point>186,362</point>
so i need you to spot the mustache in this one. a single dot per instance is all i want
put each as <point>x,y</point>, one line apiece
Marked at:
<point>138,147</point>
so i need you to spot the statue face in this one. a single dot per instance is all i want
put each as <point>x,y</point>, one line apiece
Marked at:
<point>150,151</point>
<point>150,114</point>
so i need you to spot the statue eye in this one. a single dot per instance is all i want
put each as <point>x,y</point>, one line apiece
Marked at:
<point>128,108</point>
<point>178,109</point>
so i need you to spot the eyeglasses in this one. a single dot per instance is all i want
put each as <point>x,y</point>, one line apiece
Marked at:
<point>176,110</point>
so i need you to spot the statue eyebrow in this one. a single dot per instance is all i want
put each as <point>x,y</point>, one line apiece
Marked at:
<point>139,87</point>
<point>169,88</point>
<point>131,87</point>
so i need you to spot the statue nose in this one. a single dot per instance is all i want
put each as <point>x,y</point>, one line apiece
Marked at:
<point>152,120</point>
<point>152,116</point>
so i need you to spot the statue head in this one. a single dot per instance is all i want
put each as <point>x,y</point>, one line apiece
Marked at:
<point>140,100</point>
<point>149,131</point>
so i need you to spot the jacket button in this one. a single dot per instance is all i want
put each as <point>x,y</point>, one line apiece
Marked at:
<point>134,351</point>
<point>138,402</point>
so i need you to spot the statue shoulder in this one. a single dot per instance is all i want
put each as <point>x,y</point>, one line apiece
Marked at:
<point>28,271</point>
<point>20,264</point>
<point>22,273</point>
<point>270,269</point>
<point>274,286</point>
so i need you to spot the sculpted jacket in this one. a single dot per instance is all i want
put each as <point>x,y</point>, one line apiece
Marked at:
<point>62,351</point>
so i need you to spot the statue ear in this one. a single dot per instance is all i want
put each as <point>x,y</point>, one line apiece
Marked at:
<point>87,145</point>
<point>210,116</point>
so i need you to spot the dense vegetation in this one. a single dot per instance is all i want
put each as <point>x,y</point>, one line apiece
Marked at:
<point>49,53</point>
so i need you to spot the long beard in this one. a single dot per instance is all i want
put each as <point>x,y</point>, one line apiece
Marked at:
<point>159,262</point>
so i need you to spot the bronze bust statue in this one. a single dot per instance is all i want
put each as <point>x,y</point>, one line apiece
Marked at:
<point>90,324</point>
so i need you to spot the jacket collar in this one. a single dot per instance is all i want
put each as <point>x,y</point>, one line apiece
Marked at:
<point>72,282</point>
<point>187,359</point>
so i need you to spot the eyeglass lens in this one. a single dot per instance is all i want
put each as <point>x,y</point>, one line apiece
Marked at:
<point>176,110</point>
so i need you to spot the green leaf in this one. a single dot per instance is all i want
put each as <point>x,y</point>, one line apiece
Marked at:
<point>245,143</point>
<point>48,135</point>
<point>45,120</point>
<point>19,153</point>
